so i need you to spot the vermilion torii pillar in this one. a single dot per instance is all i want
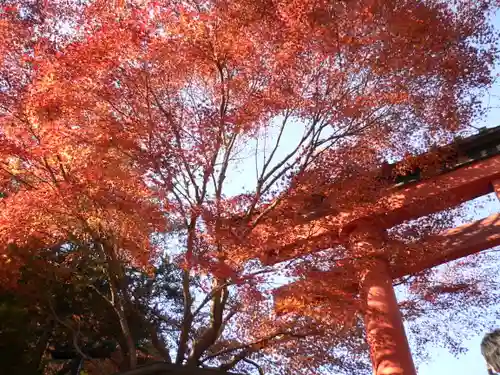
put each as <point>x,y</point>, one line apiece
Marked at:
<point>475,172</point>
<point>389,349</point>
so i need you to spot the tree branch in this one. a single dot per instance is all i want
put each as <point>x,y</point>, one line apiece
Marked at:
<point>263,342</point>
<point>236,359</point>
<point>212,333</point>
<point>249,361</point>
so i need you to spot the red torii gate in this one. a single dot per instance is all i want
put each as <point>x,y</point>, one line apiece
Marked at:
<point>363,232</point>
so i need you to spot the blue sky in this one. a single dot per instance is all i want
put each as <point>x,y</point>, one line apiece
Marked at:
<point>443,362</point>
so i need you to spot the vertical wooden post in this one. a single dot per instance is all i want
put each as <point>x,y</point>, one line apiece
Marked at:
<point>389,348</point>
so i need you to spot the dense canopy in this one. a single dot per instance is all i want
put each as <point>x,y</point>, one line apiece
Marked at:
<point>127,129</point>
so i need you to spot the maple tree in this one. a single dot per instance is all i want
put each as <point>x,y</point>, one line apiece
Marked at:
<point>121,127</point>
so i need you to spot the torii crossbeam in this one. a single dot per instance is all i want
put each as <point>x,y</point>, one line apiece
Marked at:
<point>474,172</point>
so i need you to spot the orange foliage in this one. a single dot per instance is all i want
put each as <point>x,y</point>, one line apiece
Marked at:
<point>128,123</point>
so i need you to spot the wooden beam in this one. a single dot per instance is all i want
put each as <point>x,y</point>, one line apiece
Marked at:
<point>450,245</point>
<point>441,192</point>
<point>453,244</point>
<point>419,199</point>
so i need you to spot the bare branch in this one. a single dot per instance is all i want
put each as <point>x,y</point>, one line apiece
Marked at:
<point>258,344</point>
<point>187,318</point>
<point>209,296</point>
<point>75,333</point>
<point>236,359</point>
<point>211,334</point>
<point>249,361</point>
